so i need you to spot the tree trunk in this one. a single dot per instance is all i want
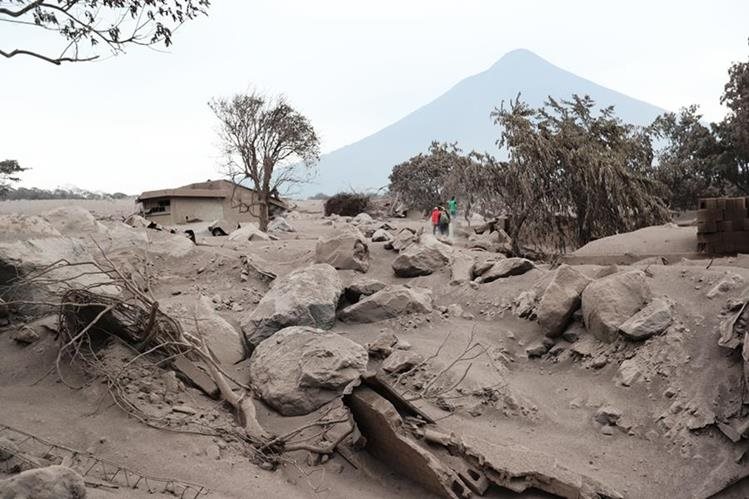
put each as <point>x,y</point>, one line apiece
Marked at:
<point>263,215</point>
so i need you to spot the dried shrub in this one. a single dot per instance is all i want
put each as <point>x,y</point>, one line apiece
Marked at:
<point>347,204</point>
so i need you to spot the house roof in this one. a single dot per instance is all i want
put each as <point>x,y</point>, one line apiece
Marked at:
<point>208,189</point>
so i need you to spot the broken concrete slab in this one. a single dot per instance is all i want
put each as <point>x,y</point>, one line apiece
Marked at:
<point>387,439</point>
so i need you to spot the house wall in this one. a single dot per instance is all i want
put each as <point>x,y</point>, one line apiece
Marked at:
<point>232,212</point>
<point>204,209</point>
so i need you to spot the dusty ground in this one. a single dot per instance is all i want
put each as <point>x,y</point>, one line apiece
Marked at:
<point>506,400</point>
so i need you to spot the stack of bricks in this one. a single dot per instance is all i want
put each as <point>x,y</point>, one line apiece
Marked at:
<point>723,225</point>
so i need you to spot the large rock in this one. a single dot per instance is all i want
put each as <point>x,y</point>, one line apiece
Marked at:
<point>506,268</point>
<point>344,250</point>
<point>392,301</point>
<point>304,297</point>
<point>223,340</point>
<point>52,482</point>
<point>496,240</point>
<point>461,268</point>
<point>73,221</point>
<point>300,369</point>
<point>402,240</point>
<point>30,244</point>
<point>422,258</point>
<point>362,218</point>
<point>362,287</point>
<point>560,300</point>
<point>248,232</point>
<point>608,302</point>
<point>381,236</point>
<point>279,224</point>
<point>651,320</point>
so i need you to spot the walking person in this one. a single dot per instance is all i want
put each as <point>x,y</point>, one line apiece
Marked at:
<point>435,220</point>
<point>444,221</point>
<point>452,208</point>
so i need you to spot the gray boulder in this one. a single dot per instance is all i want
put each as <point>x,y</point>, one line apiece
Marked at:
<point>402,240</point>
<point>461,268</point>
<point>223,340</point>
<point>52,482</point>
<point>344,250</point>
<point>304,297</point>
<point>300,369</point>
<point>422,258</point>
<point>392,301</point>
<point>362,287</point>
<point>651,320</point>
<point>248,232</point>
<point>560,299</point>
<point>400,361</point>
<point>496,240</point>
<point>381,236</point>
<point>362,218</point>
<point>608,302</point>
<point>506,268</point>
<point>279,224</point>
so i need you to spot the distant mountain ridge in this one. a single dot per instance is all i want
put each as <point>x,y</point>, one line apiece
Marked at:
<point>462,115</point>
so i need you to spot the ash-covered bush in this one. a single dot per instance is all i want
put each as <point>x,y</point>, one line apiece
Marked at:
<point>347,204</point>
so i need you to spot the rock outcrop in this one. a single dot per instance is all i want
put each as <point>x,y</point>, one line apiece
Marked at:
<point>560,299</point>
<point>300,369</point>
<point>392,301</point>
<point>304,297</point>
<point>607,303</point>
<point>344,250</point>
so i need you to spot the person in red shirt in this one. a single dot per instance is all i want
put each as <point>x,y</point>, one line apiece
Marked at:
<point>435,220</point>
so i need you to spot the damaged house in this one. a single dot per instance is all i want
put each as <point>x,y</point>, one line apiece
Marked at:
<point>204,201</point>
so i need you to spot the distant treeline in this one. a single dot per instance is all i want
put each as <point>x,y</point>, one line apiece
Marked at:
<point>36,193</point>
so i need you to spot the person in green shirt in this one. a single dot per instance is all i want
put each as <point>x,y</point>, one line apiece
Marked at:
<point>452,206</point>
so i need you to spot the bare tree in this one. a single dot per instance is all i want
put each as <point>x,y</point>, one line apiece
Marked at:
<point>266,142</point>
<point>83,27</point>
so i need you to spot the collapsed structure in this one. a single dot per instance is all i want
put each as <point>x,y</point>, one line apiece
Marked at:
<point>204,201</point>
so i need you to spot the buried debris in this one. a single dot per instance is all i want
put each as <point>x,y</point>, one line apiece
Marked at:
<point>445,464</point>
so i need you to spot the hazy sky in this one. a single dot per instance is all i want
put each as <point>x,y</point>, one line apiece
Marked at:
<point>140,121</point>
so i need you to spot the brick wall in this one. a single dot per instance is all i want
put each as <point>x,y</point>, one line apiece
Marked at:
<point>723,225</point>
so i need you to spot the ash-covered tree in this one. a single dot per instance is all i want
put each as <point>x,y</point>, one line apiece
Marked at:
<point>581,169</point>
<point>687,154</point>
<point>9,170</point>
<point>427,180</point>
<point>733,130</point>
<point>84,30</point>
<point>267,143</point>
